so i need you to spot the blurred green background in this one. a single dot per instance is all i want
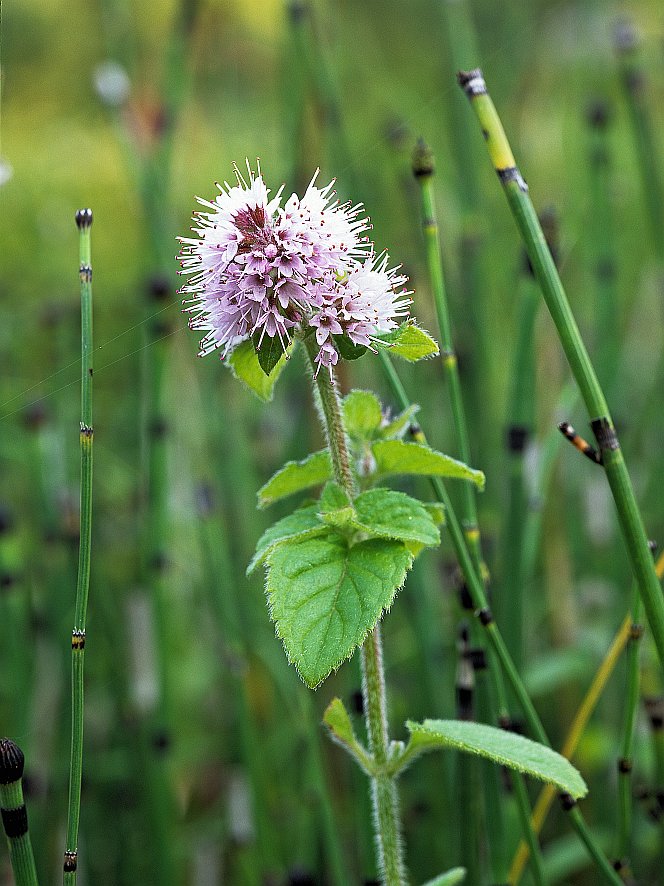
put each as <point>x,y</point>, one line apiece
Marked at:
<point>134,108</point>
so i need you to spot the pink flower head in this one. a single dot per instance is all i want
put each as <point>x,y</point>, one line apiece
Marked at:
<point>256,268</point>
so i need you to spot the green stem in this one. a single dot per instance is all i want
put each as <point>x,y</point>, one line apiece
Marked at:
<point>627,746</point>
<point>536,864</point>
<point>478,596</point>
<point>524,214</point>
<point>14,814</point>
<point>84,223</point>
<point>633,80</point>
<point>383,784</point>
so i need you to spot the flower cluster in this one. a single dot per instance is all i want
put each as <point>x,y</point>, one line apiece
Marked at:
<point>258,268</point>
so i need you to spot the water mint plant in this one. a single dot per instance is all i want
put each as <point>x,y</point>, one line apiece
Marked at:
<point>263,278</point>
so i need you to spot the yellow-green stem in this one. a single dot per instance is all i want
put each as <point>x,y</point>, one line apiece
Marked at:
<point>620,484</point>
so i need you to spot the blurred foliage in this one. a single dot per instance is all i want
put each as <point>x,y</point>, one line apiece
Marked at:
<point>391,65</point>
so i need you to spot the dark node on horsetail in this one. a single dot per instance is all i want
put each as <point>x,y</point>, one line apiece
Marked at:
<point>12,761</point>
<point>357,702</point>
<point>485,616</point>
<point>567,801</point>
<point>83,218</point>
<point>15,822</point>
<point>78,640</point>
<point>472,82</point>
<point>579,443</point>
<point>397,133</point>
<point>205,503</point>
<point>477,658</point>
<point>161,741</point>
<point>7,580</point>
<point>654,705</point>
<point>636,632</point>
<point>161,327</point>
<point>301,878</point>
<point>605,434</point>
<point>465,598</point>
<point>70,862</point>
<point>158,428</point>
<point>371,883</point>
<point>423,161</point>
<point>159,562</point>
<point>297,9</point>
<point>6,519</point>
<point>652,545</point>
<point>517,438</point>
<point>598,113</point>
<point>415,431</point>
<point>625,37</point>
<point>35,416</point>
<point>624,765</point>
<point>158,287</point>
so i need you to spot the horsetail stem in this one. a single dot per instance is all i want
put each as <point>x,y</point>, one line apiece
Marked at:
<point>478,596</point>
<point>524,214</point>
<point>84,223</point>
<point>634,86</point>
<point>14,813</point>
<point>383,786</point>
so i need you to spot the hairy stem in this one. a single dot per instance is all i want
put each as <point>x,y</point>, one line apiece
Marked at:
<point>383,785</point>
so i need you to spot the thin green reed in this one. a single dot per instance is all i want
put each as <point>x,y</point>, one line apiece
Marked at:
<point>84,223</point>
<point>477,593</point>
<point>524,214</point>
<point>423,169</point>
<point>602,242</point>
<point>520,424</point>
<point>14,813</point>
<point>633,78</point>
<point>625,762</point>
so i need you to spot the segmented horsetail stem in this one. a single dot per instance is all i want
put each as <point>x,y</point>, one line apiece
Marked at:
<point>476,591</point>
<point>84,223</point>
<point>14,813</point>
<point>633,77</point>
<point>516,191</point>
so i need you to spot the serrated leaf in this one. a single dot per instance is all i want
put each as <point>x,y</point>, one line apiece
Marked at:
<point>269,351</point>
<point>399,457</point>
<point>450,878</point>
<point>362,415</point>
<point>245,367</point>
<point>348,349</point>
<point>410,343</point>
<point>325,597</point>
<point>304,521</point>
<point>395,429</point>
<point>390,514</point>
<point>295,476</point>
<point>504,748</point>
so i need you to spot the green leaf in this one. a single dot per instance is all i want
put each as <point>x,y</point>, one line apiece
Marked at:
<point>348,349</point>
<point>269,352</point>
<point>410,343</point>
<point>399,457</point>
<point>436,512</point>
<point>336,508</point>
<point>450,878</point>
<point>295,476</point>
<point>362,415</point>
<point>389,514</point>
<point>504,748</point>
<point>398,426</point>
<point>304,521</point>
<point>325,597</point>
<point>245,367</point>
